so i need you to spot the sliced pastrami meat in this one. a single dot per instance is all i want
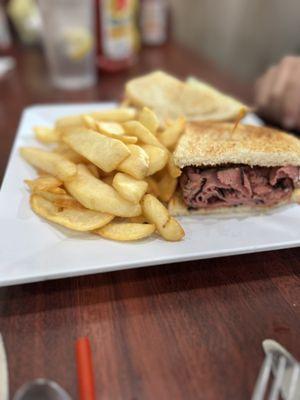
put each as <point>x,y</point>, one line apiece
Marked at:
<point>237,185</point>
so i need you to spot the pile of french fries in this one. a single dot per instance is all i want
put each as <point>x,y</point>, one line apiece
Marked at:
<point>108,172</point>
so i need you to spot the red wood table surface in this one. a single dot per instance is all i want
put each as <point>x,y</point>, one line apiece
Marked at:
<point>183,331</point>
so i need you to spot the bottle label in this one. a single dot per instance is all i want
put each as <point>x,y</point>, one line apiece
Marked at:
<point>118,28</point>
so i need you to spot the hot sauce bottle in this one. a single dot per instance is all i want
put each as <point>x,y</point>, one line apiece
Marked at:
<point>117,36</point>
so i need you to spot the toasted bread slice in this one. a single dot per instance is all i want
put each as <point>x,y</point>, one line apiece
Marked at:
<point>226,107</point>
<point>218,143</point>
<point>171,98</point>
<point>177,207</point>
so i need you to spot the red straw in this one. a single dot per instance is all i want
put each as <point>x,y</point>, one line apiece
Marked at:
<point>85,372</point>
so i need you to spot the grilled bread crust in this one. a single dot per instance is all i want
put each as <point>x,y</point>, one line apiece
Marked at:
<point>217,143</point>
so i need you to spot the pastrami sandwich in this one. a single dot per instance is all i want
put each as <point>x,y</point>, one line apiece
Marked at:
<point>244,169</point>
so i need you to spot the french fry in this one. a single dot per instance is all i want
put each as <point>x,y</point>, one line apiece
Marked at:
<point>135,128</point>
<point>89,122</point>
<point>137,164</point>
<point>126,231</point>
<point>117,115</point>
<point>158,158</point>
<point>60,148</point>
<point>59,199</point>
<point>121,114</point>
<point>107,164</point>
<point>174,171</point>
<point>46,135</point>
<point>149,119</point>
<point>72,218</point>
<point>170,136</point>
<point>66,122</point>
<point>45,182</point>
<point>106,153</point>
<point>138,220</point>
<point>130,188</point>
<point>57,190</point>
<point>67,203</point>
<point>68,153</point>
<point>128,139</point>
<point>157,214</point>
<point>52,163</point>
<point>153,187</point>
<point>115,131</point>
<point>296,196</point>
<point>167,186</point>
<point>96,195</point>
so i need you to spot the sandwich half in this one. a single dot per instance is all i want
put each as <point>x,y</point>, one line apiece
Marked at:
<point>171,98</point>
<point>229,169</point>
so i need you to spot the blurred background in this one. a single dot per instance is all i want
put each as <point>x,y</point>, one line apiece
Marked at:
<point>242,37</point>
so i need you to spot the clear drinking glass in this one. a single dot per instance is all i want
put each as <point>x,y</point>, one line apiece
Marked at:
<point>69,41</point>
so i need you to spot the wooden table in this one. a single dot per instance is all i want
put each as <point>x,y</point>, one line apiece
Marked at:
<point>183,331</point>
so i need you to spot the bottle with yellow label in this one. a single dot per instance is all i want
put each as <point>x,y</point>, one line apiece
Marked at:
<point>117,34</point>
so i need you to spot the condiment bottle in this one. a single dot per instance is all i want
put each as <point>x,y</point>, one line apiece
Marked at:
<point>154,21</point>
<point>117,36</point>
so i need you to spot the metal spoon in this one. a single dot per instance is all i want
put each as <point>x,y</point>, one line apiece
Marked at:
<point>41,389</point>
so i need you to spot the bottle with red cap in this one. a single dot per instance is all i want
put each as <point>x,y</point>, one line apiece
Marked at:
<point>117,37</point>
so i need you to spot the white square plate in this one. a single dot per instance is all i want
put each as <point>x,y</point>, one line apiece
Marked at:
<point>32,249</point>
